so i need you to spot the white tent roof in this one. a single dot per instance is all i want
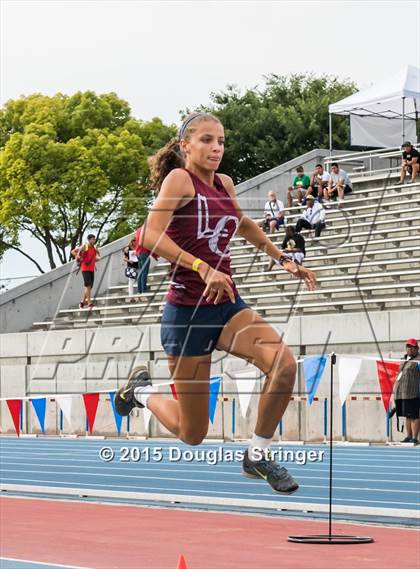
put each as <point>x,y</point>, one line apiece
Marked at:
<point>386,97</point>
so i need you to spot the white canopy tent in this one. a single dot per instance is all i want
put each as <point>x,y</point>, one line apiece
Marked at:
<point>393,101</point>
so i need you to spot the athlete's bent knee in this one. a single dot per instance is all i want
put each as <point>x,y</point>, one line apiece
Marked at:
<point>285,374</point>
<point>193,438</point>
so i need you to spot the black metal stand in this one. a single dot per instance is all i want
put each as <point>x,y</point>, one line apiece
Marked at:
<point>330,538</point>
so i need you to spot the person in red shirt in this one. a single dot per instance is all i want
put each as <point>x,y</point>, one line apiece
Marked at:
<point>86,256</point>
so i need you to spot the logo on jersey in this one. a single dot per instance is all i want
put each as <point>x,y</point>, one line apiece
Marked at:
<point>220,231</point>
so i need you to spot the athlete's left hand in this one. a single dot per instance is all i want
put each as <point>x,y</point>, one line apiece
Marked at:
<point>301,272</point>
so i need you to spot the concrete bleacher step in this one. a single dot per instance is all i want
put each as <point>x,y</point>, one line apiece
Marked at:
<point>359,230</point>
<point>260,258</point>
<point>339,305</point>
<point>140,310</point>
<point>363,230</point>
<point>157,275</point>
<point>151,310</point>
<point>282,281</point>
<point>378,302</point>
<point>248,281</point>
<point>377,265</point>
<point>385,198</point>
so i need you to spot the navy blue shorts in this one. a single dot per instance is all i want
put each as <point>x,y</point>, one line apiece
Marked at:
<point>194,331</point>
<point>279,222</point>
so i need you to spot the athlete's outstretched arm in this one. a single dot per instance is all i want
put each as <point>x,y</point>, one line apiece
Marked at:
<point>253,233</point>
<point>177,191</point>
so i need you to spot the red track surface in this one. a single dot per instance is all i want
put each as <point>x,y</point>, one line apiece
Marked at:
<point>104,536</point>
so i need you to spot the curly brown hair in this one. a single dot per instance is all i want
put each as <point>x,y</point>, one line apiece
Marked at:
<point>171,155</point>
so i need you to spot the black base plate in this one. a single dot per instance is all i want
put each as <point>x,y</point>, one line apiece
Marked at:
<point>330,539</point>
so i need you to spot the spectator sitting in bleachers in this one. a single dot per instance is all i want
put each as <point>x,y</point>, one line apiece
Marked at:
<point>339,184</point>
<point>410,164</point>
<point>319,182</point>
<point>299,186</point>
<point>313,217</point>
<point>132,264</point>
<point>293,246</point>
<point>273,213</point>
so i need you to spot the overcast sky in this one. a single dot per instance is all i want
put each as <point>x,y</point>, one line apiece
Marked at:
<point>165,56</point>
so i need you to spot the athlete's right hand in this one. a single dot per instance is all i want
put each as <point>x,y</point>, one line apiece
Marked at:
<point>217,284</point>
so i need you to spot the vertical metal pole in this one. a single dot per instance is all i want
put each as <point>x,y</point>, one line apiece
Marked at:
<point>29,417</point>
<point>222,399</point>
<point>330,128</point>
<point>281,429</point>
<point>325,419</point>
<point>333,360</point>
<point>403,120</point>
<point>343,422</point>
<point>233,417</point>
<point>388,426</point>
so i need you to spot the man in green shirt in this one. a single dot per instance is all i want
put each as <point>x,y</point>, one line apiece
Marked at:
<point>298,189</point>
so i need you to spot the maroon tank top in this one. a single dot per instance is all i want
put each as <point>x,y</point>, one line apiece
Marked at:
<point>204,228</point>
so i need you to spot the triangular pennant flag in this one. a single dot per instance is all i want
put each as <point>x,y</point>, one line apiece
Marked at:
<point>91,401</point>
<point>181,563</point>
<point>174,395</point>
<point>313,368</point>
<point>245,382</point>
<point>387,374</point>
<point>15,408</point>
<point>117,416</point>
<point>40,405</point>
<point>146,417</point>
<point>65,402</point>
<point>214,394</point>
<point>348,368</point>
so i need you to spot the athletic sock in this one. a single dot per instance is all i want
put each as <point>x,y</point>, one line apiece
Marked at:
<point>258,447</point>
<point>142,394</point>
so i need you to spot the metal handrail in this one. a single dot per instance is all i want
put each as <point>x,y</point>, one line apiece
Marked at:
<point>391,150</point>
<point>365,173</point>
<point>383,153</point>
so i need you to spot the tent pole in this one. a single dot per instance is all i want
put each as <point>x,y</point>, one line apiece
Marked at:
<point>330,123</point>
<point>403,121</point>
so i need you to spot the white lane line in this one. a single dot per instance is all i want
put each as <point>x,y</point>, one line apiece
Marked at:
<point>206,481</point>
<point>353,451</point>
<point>110,468</point>
<point>386,451</point>
<point>315,463</point>
<point>14,559</point>
<point>133,490</point>
<point>213,500</point>
<point>316,467</point>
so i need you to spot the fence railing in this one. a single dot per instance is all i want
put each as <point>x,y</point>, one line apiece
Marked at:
<point>365,160</point>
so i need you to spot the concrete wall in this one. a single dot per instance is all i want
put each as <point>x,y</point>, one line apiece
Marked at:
<point>78,361</point>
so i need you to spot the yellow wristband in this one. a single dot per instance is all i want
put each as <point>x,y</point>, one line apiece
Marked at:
<point>196,264</point>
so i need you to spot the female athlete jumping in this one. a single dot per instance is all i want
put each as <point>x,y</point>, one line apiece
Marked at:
<point>195,215</point>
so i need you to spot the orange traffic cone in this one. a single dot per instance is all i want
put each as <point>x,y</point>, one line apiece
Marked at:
<point>181,563</point>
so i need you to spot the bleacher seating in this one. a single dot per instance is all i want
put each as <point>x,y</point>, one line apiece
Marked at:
<point>367,256</point>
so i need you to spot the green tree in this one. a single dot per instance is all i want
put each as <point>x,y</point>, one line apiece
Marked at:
<point>71,164</point>
<point>287,117</point>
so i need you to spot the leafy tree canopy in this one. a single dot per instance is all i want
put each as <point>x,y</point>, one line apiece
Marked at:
<point>287,117</point>
<point>71,164</point>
